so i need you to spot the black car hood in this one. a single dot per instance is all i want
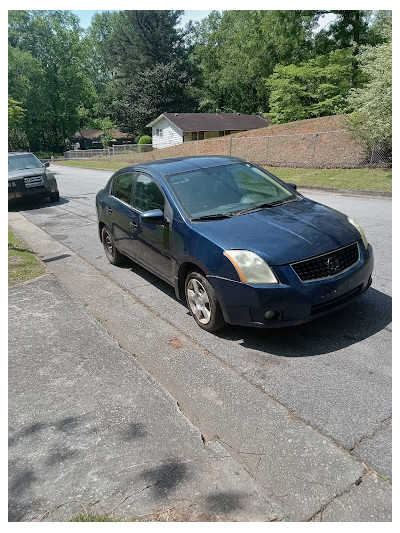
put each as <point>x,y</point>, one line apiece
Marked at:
<point>283,234</point>
<point>25,173</point>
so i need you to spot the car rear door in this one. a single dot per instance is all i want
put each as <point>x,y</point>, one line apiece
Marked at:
<point>119,215</point>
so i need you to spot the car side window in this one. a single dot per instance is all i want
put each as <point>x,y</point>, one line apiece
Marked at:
<point>148,195</point>
<point>122,187</point>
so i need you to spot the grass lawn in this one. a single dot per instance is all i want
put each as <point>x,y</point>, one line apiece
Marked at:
<point>371,179</point>
<point>22,262</point>
<point>106,165</point>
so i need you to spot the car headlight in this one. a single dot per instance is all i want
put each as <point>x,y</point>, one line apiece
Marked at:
<point>360,231</point>
<point>251,268</point>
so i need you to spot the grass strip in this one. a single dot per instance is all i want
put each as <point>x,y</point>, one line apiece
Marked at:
<point>367,179</point>
<point>22,262</point>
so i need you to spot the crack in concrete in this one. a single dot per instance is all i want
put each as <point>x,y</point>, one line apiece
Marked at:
<point>355,483</point>
<point>150,485</point>
<point>382,425</point>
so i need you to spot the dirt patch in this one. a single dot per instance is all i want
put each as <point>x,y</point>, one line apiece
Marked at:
<point>311,125</point>
<point>175,343</point>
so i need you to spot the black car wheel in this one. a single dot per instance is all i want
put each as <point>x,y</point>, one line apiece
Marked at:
<point>54,196</point>
<point>203,302</point>
<point>112,254</point>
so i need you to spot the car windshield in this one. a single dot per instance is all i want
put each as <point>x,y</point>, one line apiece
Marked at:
<point>23,161</point>
<point>227,190</point>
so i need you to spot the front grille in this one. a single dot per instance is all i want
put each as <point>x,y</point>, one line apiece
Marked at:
<point>327,265</point>
<point>35,181</point>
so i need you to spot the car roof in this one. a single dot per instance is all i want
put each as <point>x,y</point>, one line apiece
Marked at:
<point>185,164</point>
<point>20,153</point>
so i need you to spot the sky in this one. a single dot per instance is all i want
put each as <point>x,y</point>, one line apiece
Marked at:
<point>85,16</point>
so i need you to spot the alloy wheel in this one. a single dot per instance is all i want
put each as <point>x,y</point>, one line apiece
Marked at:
<point>199,301</point>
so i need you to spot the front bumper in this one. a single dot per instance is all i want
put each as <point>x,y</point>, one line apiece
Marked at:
<point>293,301</point>
<point>19,189</point>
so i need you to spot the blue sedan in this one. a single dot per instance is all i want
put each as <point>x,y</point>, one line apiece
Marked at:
<point>237,243</point>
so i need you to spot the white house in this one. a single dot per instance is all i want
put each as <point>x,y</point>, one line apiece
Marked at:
<point>175,128</point>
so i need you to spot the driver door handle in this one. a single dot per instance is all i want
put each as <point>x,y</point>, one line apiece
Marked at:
<point>133,224</point>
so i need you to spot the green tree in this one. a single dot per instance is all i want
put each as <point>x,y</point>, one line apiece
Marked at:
<point>351,28</point>
<point>100,65</point>
<point>151,74</point>
<point>315,88</point>
<point>16,134</point>
<point>235,51</point>
<point>158,89</point>
<point>371,121</point>
<point>57,90</point>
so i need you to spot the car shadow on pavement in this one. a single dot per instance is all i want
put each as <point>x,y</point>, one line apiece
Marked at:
<point>363,318</point>
<point>367,315</point>
<point>31,205</point>
<point>151,278</point>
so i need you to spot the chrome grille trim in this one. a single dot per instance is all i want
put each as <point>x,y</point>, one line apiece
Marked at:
<point>335,255</point>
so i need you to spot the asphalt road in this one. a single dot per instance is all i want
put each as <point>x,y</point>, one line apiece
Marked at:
<point>334,373</point>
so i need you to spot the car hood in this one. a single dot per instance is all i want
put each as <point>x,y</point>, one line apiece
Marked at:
<point>283,234</point>
<point>25,173</point>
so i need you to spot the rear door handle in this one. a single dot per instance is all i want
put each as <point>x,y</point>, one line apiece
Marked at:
<point>133,224</point>
<point>108,209</point>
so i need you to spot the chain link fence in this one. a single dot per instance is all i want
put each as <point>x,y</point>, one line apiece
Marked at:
<point>328,149</point>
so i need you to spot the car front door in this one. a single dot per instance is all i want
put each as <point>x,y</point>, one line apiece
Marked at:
<point>151,242</point>
<point>119,213</point>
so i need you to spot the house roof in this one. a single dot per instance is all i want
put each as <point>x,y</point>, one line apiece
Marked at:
<point>213,121</point>
<point>96,134</point>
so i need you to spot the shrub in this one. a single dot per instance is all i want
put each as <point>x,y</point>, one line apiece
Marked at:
<point>145,139</point>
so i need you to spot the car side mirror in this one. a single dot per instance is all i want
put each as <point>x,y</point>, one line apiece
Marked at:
<point>292,186</point>
<point>154,216</point>
<point>46,164</point>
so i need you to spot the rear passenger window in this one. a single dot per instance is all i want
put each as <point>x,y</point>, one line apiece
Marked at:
<point>148,195</point>
<point>122,187</point>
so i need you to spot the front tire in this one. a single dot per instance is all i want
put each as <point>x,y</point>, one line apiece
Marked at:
<point>203,303</point>
<point>54,196</point>
<point>112,254</point>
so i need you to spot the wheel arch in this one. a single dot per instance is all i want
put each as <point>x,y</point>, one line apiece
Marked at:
<point>101,226</point>
<point>184,269</point>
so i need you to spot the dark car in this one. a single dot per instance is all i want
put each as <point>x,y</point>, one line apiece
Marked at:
<point>29,178</point>
<point>240,245</point>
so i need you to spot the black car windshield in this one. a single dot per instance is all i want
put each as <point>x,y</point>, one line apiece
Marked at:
<point>227,190</point>
<point>23,161</point>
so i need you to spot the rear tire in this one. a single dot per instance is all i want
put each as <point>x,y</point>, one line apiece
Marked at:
<point>112,254</point>
<point>203,303</point>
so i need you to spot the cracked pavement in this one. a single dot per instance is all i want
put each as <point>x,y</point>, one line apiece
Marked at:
<point>306,449</point>
<point>90,431</point>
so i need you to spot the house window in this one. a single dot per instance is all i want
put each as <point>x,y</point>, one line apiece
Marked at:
<point>159,132</point>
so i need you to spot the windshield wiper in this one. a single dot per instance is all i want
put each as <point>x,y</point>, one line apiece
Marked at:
<point>262,206</point>
<point>215,216</point>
